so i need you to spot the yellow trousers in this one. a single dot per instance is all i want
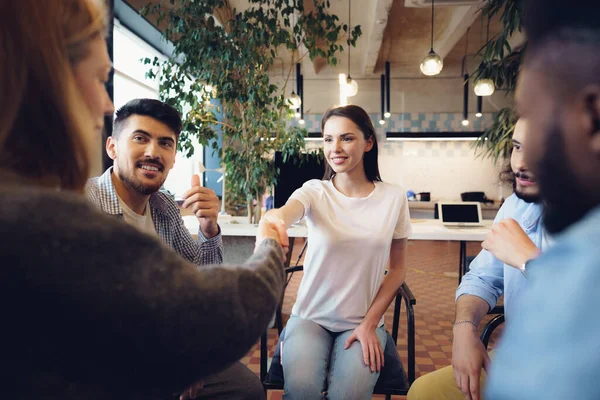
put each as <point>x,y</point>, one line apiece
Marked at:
<point>439,385</point>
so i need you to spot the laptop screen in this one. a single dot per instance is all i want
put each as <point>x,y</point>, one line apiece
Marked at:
<point>460,213</point>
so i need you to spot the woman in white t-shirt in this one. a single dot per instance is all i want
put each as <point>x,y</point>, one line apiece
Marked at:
<point>335,337</point>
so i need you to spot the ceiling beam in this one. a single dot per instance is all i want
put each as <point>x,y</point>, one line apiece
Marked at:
<point>461,19</point>
<point>377,21</point>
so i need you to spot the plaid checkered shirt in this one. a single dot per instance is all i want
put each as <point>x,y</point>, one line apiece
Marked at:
<point>167,221</point>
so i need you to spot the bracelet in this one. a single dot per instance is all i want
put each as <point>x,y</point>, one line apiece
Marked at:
<point>465,321</point>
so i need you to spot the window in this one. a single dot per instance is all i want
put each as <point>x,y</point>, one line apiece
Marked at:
<point>130,83</point>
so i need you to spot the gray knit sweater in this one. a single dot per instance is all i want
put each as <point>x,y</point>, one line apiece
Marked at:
<point>93,309</point>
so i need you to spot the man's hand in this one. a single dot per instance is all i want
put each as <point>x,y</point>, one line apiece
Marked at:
<point>468,357</point>
<point>510,244</point>
<point>268,229</point>
<point>192,392</point>
<point>205,205</point>
<point>371,346</point>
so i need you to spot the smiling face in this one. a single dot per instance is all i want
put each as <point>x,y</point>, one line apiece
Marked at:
<point>345,146</point>
<point>144,153</point>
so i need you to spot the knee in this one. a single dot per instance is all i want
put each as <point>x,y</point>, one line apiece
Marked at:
<point>418,389</point>
<point>300,388</point>
<point>424,388</point>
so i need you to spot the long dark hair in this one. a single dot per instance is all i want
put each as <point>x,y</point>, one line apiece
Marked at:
<point>360,117</point>
<point>507,176</point>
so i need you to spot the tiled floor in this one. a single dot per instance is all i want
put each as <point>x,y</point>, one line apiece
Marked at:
<point>432,277</point>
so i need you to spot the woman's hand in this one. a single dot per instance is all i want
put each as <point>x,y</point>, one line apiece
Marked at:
<point>272,230</point>
<point>371,347</point>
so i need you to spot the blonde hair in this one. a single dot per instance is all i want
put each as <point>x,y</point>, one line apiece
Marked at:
<point>45,128</point>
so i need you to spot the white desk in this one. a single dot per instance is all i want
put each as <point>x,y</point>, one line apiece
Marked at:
<point>423,229</point>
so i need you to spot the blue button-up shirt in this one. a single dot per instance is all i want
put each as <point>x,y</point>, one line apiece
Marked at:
<point>167,221</point>
<point>550,348</point>
<point>489,277</point>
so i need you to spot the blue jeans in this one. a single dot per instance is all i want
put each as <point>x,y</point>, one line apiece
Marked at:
<point>316,366</point>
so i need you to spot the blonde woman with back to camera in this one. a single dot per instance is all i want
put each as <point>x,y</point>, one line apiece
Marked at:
<point>92,308</point>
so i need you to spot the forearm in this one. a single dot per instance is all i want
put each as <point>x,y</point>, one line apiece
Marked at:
<point>278,213</point>
<point>471,308</point>
<point>217,315</point>
<point>389,288</point>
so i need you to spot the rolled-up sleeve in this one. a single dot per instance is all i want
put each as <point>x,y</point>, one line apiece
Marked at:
<point>485,278</point>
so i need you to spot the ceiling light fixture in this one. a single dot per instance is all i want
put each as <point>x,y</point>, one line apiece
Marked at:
<point>342,82</point>
<point>479,113</point>
<point>465,121</point>
<point>295,101</point>
<point>388,112</point>
<point>351,87</point>
<point>432,64</point>
<point>382,103</point>
<point>485,86</point>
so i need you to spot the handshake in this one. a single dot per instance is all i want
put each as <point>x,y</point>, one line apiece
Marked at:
<point>271,227</point>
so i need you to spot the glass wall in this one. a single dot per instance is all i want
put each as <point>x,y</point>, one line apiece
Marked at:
<point>130,83</point>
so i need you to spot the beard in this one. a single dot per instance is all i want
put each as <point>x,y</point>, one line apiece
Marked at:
<point>565,202</point>
<point>521,194</point>
<point>130,180</point>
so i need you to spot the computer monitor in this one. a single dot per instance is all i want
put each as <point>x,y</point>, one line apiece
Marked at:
<point>460,213</point>
<point>294,172</point>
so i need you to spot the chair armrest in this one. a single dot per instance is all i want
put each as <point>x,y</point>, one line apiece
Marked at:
<point>489,328</point>
<point>497,310</point>
<point>293,269</point>
<point>407,294</point>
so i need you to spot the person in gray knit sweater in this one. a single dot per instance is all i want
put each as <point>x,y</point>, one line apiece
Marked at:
<point>91,308</point>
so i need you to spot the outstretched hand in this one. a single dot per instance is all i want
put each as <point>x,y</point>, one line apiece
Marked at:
<point>269,229</point>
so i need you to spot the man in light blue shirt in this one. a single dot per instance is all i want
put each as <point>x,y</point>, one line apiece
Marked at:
<point>516,236</point>
<point>550,348</point>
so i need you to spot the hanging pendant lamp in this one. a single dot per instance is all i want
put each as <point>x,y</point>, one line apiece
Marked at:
<point>351,87</point>
<point>485,86</point>
<point>432,64</point>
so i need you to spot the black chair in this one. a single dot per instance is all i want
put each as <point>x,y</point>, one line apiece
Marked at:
<point>492,324</point>
<point>392,380</point>
<point>495,322</point>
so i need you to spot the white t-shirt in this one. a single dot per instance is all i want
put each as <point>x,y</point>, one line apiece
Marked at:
<point>349,242</point>
<point>143,222</point>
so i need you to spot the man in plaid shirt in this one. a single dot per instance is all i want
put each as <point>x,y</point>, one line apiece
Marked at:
<point>143,147</point>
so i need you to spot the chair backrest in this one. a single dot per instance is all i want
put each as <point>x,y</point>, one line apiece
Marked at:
<point>489,328</point>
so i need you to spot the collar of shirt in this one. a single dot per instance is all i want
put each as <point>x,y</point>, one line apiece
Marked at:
<point>109,201</point>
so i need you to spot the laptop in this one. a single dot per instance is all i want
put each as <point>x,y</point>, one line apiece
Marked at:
<point>460,214</point>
